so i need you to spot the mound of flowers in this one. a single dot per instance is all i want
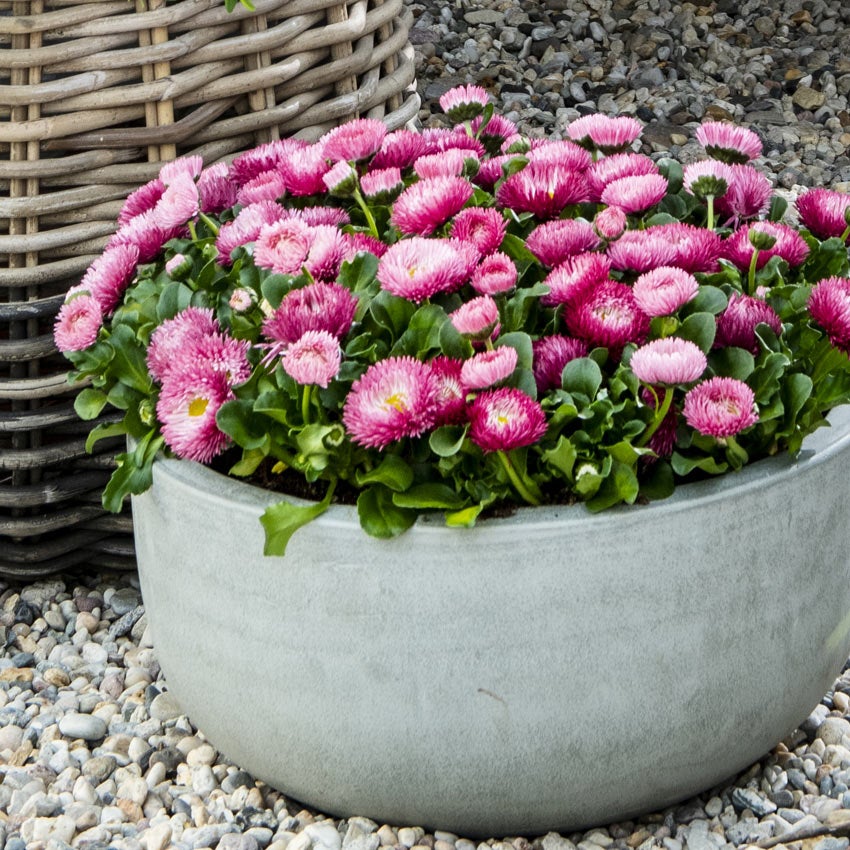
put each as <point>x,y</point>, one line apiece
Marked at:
<point>462,317</point>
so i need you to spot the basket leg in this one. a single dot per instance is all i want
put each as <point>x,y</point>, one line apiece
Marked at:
<point>259,101</point>
<point>347,85</point>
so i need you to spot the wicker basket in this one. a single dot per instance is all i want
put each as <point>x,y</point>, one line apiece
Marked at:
<point>93,97</point>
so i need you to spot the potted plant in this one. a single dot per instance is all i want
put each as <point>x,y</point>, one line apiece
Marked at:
<point>496,401</point>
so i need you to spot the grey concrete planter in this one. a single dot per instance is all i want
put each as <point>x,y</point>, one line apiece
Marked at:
<point>551,670</point>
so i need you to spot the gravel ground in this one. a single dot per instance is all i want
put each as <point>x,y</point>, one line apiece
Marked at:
<point>94,753</point>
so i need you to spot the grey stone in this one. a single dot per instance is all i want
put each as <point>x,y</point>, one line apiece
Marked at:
<point>745,798</point>
<point>85,726</point>
<point>125,600</point>
<point>235,841</point>
<point>488,17</point>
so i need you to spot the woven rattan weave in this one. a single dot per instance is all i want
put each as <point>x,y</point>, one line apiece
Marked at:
<point>93,97</point>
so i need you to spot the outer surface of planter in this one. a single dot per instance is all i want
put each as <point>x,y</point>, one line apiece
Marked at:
<point>550,670</point>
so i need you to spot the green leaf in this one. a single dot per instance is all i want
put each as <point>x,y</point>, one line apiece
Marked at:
<point>392,472</point>
<point>709,299</point>
<point>464,518</point>
<point>133,472</point>
<point>778,205</point>
<point>672,171</point>
<point>248,464</point>
<point>429,495</point>
<point>732,362</point>
<point>89,403</point>
<point>274,287</point>
<point>582,375</point>
<point>429,330</point>
<point>129,362</point>
<point>103,431</point>
<point>562,457</point>
<point>283,519</point>
<point>379,517</point>
<point>238,420</point>
<point>174,298</point>
<point>447,440</point>
<point>683,465</point>
<point>358,274</point>
<point>659,482</point>
<point>797,390</point>
<point>700,329</point>
<point>621,485</point>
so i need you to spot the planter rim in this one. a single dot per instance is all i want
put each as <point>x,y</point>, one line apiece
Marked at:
<point>819,447</point>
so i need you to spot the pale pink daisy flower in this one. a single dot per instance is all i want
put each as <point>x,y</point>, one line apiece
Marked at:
<point>505,419</point>
<point>266,157</point>
<point>635,194</point>
<point>641,250</point>
<point>141,201</point>
<point>177,169</point>
<point>720,407</point>
<point>495,274</point>
<point>789,245</point>
<point>551,354</point>
<point>325,307</point>
<point>241,300</point>
<point>425,205</point>
<point>448,163</point>
<point>611,168</point>
<point>603,133</point>
<point>553,242</point>
<point>395,398</point>
<point>146,234</point>
<point>107,277</point>
<point>357,242</point>
<point>484,227</point>
<point>477,318</point>
<point>266,186</point>
<point>748,195</point>
<point>303,173</point>
<point>313,358</point>
<point>543,190</point>
<point>608,316</point>
<point>560,152</point>
<point>315,216</point>
<point>399,149</point>
<point>283,246</point>
<point>341,179</point>
<point>463,103</point>
<point>829,306</point>
<point>451,398</point>
<point>708,177</point>
<point>215,188</point>
<point>245,228</point>
<point>686,246</point>
<point>824,212</point>
<point>490,171</point>
<point>669,361</point>
<point>728,142</point>
<point>77,324</point>
<point>610,223</point>
<point>187,406</point>
<point>418,268</point>
<point>328,247</point>
<point>441,139</point>
<point>175,335</point>
<point>382,185</point>
<point>736,325</point>
<point>488,368</point>
<point>219,352</point>
<point>179,203</point>
<point>353,141</point>
<point>663,290</point>
<point>574,277</point>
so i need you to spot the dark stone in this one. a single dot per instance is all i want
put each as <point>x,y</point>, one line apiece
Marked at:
<point>169,756</point>
<point>26,613</point>
<point>783,798</point>
<point>238,779</point>
<point>125,623</point>
<point>250,817</point>
<point>746,798</point>
<point>23,659</point>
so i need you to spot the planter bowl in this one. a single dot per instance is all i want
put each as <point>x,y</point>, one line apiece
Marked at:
<point>551,670</point>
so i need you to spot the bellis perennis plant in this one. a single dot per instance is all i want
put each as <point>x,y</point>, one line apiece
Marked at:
<point>462,320</point>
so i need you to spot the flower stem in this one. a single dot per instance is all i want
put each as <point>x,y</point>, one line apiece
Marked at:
<point>373,227</point>
<point>660,412</point>
<point>844,236</point>
<point>526,488</point>
<point>305,403</point>
<point>209,223</point>
<point>751,277</point>
<point>709,199</point>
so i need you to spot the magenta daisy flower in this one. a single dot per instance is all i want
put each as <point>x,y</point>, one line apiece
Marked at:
<point>490,171</point>
<point>553,242</point>
<point>748,195</point>
<point>399,149</point>
<point>497,129</point>
<point>736,325</point>
<point>425,205</point>
<point>188,403</point>
<point>316,216</point>
<point>610,223</point>
<point>395,398</point>
<point>708,177</point>
<point>635,194</point>
<point>327,307</point>
<point>728,142</point>
<point>496,273</point>
<point>463,103</point>
<point>686,246</point>
<point>77,323</point>
<point>218,351</point>
<point>245,228</point>
<point>353,141</point>
<point>283,246</point>
<point>418,268</point>
<point>177,169</point>
<point>663,290</point>
<point>107,277</point>
<point>824,212</point>
<point>829,306</point>
<point>641,250</point>
<point>267,157</point>
<point>603,133</point>
<point>141,201</point>
<point>215,188</point>
<point>720,407</point>
<point>551,354</point>
<point>560,152</point>
<point>266,186</point>
<point>303,173</point>
<point>608,316</point>
<point>789,245</point>
<point>175,335</point>
<point>574,277</point>
<point>484,227</point>
<point>442,139</point>
<point>451,397</point>
<point>488,368</point>
<point>668,361</point>
<point>611,168</point>
<point>382,185</point>
<point>357,242</point>
<point>328,247</point>
<point>505,419</point>
<point>478,318</point>
<point>543,190</point>
<point>314,358</point>
<point>449,163</point>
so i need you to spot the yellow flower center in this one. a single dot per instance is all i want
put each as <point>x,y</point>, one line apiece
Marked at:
<point>197,406</point>
<point>396,400</point>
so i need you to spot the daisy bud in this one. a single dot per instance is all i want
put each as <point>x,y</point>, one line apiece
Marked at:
<point>760,240</point>
<point>383,185</point>
<point>341,180</point>
<point>178,267</point>
<point>477,319</point>
<point>240,300</point>
<point>610,223</point>
<point>463,103</point>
